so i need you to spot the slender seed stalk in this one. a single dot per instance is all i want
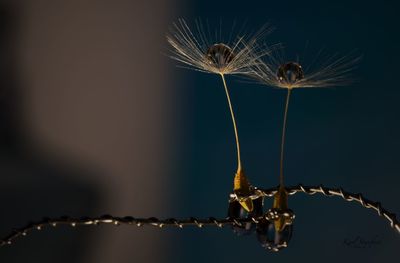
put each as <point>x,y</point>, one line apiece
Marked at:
<point>239,162</point>
<point>283,136</point>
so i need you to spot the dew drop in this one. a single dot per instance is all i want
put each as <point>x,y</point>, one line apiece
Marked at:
<point>219,55</point>
<point>290,73</point>
<point>236,211</point>
<point>272,239</point>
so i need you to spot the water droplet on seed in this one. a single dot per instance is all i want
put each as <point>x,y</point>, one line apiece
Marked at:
<point>271,238</point>
<point>219,55</point>
<point>236,211</point>
<point>289,73</point>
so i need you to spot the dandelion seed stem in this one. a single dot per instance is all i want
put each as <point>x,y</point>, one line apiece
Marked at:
<point>283,136</point>
<point>234,123</point>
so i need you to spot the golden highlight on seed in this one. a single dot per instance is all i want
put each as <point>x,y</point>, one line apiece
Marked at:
<point>242,187</point>
<point>281,203</point>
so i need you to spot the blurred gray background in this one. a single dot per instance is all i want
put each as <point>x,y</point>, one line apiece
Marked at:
<point>95,119</point>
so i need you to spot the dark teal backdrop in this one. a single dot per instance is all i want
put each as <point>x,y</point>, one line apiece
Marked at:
<point>339,137</point>
<point>122,160</point>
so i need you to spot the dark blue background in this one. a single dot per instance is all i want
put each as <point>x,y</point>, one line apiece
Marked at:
<point>339,137</point>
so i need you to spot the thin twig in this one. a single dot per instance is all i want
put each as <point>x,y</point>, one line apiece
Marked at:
<point>211,221</point>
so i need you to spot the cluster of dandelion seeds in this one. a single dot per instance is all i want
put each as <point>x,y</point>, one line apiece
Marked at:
<point>244,56</point>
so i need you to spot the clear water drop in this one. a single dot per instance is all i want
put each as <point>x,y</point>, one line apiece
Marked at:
<point>290,73</point>
<point>219,55</point>
<point>272,239</point>
<point>236,210</point>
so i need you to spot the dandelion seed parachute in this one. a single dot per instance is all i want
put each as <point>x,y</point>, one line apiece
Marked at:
<point>290,75</point>
<point>275,71</point>
<point>194,50</point>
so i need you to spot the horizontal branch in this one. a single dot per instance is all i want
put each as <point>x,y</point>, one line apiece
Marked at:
<point>128,220</point>
<point>339,192</point>
<point>211,221</point>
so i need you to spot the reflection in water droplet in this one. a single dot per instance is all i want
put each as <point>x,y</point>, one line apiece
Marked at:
<point>272,239</point>
<point>219,55</point>
<point>289,73</point>
<point>235,210</point>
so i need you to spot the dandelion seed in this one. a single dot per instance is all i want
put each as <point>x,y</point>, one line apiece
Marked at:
<point>194,51</point>
<point>290,75</point>
<point>276,72</point>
